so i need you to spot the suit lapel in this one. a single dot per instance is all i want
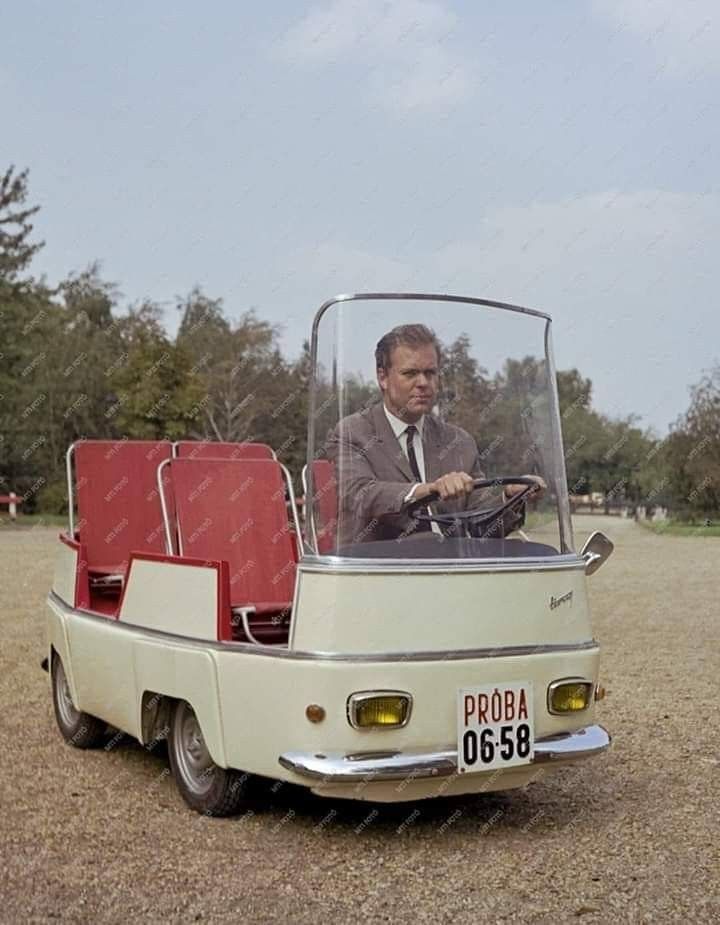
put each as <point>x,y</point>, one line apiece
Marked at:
<point>386,437</point>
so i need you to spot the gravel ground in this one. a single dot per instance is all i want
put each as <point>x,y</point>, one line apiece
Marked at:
<point>632,836</point>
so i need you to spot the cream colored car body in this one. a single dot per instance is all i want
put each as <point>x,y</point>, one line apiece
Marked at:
<point>429,631</point>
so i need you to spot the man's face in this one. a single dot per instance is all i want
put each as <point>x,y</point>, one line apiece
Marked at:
<point>410,385</point>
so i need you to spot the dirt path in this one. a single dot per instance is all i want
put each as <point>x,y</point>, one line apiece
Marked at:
<point>633,836</point>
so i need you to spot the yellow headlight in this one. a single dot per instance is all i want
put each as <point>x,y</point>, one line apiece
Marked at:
<point>381,709</point>
<point>569,696</point>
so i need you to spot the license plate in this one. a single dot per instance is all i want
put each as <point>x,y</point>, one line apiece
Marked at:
<point>495,726</point>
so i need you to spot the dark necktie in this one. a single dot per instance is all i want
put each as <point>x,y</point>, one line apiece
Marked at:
<point>411,430</point>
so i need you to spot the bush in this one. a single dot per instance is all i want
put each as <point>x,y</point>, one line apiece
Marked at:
<point>52,498</point>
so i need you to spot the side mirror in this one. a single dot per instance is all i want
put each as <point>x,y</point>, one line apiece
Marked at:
<point>596,550</point>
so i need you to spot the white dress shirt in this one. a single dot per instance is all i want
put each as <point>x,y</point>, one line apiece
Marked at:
<point>399,427</point>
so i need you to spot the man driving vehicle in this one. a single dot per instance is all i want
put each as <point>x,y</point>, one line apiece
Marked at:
<point>397,452</point>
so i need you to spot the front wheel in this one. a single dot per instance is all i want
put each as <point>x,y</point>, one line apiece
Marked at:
<point>78,728</point>
<point>204,786</point>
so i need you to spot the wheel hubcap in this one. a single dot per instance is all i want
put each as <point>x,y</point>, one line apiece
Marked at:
<point>66,708</point>
<point>193,757</point>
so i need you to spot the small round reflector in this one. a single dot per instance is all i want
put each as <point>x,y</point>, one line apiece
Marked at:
<point>315,713</point>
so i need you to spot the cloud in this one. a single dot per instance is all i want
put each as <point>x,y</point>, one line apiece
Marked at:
<point>342,268</point>
<point>600,237</point>
<point>684,36</point>
<point>406,46</point>
<point>649,245</point>
<point>628,277</point>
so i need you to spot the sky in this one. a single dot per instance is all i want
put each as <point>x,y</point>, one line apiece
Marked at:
<point>559,155</point>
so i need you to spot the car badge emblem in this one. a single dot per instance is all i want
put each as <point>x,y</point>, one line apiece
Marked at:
<point>557,601</point>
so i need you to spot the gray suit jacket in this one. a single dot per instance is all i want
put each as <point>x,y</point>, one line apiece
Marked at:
<point>374,475</point>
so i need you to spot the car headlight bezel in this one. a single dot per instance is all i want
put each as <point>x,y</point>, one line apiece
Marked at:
<point>361,701</point>
<point>557,689</point>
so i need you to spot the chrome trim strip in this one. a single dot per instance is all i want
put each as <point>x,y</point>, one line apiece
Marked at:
<point>309,521</point>
<point>341,564</point>
<point>361,657</point>
<point>71,498</point>
<point>567,540</point>
<point>163,505</point>
<point>293,503</point>
<point>336,767</point>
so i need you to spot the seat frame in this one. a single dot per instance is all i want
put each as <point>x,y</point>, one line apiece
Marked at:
<point>245,610</point>
<point>309,520</point>
<point>103,581</point>
<point>176,443</point>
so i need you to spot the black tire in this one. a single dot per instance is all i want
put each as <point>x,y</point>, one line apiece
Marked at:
<point>78,728</point>
<point>205,787</point>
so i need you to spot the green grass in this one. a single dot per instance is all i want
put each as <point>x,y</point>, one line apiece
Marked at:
<point>33,520</point>
<point>681,528</point>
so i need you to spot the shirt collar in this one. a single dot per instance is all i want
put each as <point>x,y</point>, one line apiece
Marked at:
<point>399,426</point>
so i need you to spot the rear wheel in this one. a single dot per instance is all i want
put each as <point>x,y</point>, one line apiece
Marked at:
<point>78,728</point>
<point>204,786</point>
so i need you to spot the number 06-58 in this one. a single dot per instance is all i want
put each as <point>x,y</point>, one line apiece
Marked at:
<point>511,741</point>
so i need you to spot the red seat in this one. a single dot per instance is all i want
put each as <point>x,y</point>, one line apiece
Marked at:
<point>118,504</point>
<point>214,449</point>
<point>118,513</point>
<point>325,505</point>
<point>234,510</point>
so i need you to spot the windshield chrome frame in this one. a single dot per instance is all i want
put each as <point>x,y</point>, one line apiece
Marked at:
<point>560,478</point>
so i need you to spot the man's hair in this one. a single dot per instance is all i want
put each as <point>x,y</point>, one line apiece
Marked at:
<point>406,335</point>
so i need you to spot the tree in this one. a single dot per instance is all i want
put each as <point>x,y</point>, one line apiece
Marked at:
<point>688,464</point>
<point>27,317</point>
<point>156,392</point>
<point>464,387</point>
<point>16,251</point>
<point>236,364</point>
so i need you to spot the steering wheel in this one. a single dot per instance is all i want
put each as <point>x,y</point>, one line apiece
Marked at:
<point>477,520</point>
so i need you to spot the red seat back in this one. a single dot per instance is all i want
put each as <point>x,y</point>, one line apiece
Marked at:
<point>117,500</point>
<point>325,505</point>
<point>234,510</point>
<point>213,449</point>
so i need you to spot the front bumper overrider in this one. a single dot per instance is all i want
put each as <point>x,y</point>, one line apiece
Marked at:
<point>392,765</point>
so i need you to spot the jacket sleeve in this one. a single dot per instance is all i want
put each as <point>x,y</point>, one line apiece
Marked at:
<point>363,499</point>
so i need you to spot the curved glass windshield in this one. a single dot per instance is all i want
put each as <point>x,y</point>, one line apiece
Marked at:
<point>434,432</point>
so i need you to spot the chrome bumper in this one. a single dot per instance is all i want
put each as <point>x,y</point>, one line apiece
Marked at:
<point>381,766</point>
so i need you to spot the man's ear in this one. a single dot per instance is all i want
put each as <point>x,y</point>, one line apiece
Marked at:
<point>382,379</point>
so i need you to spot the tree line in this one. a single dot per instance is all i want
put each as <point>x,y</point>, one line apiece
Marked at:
<point>75,362</point>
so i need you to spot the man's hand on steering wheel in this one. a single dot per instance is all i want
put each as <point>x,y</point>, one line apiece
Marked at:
<point>479,522</point>
<point>510,490</point>
<point>460,485</point>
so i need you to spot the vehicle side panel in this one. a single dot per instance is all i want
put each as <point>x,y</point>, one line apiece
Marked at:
<point>66,560</point>
<point>251,706</point>
<point>183,672</point>
<point>58,641</point>
<point>385,612</point>
<point>110,667</point>
<point>102,668</point>
<point>263,702</point>
<point>172,597</point>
